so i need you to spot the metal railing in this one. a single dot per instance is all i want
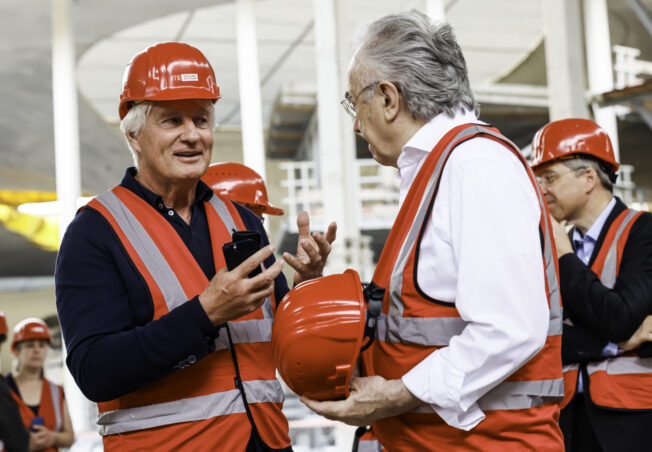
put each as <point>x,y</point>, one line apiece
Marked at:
<point>377,193</point>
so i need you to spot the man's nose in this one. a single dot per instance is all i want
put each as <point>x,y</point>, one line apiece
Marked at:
<point>356,125</point>
<point>190,132</point>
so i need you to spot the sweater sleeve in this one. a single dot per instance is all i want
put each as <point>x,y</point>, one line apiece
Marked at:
<point>105,313</point>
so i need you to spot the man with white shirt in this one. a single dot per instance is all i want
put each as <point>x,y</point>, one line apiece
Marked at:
<point>605,269</point>
<point>467,355</point>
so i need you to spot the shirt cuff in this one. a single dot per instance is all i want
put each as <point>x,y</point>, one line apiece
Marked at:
<point>207,329</point>
<point>440,386</point>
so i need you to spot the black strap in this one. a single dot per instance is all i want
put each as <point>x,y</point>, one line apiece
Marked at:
<point>238,380</point>
<point>359,432</point>
<point>373,295</point>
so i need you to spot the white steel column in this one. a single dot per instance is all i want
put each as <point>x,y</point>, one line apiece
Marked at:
<point>67,163</point>
<point>65,116</point>
<point>599,64</point>
<point>336,140</point>
<point>564,58</point>
<point>435,10</point>
<point>251,116</point>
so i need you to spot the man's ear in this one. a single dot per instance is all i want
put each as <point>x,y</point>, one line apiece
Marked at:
<point>132,139</point>
<point>391,100</point>
<point>592,179</point>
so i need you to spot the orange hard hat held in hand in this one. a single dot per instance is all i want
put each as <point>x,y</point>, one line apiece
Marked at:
<point>320,329</point>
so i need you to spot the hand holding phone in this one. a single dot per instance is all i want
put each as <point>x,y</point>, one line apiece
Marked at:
<point>244,244</point>
<point>38,420</point>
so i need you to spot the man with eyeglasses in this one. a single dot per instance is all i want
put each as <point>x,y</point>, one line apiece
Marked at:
<point>467,353</point>
<point>605,267</point>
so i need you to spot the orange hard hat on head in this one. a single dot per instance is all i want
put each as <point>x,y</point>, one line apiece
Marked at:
<point>167,71</point>
<point>31,328</point>
<point>241,184</point>
<point>569,138</point>
<point>319,330</point>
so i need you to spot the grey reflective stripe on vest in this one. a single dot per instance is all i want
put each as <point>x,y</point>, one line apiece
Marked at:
<point>224,213</point>
<point>610,267</point>
<point>393,327</point>
<point>247,331</point>
<point>146,249</point>
<point>619,365</point>
<point>369,446</point>
<point>569,367</point>
<point>190,409</point>
<point>516,395</point>
<point>56,404</point>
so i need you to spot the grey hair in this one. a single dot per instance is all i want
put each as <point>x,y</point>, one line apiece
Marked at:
<point>424,61</point>
<point>581,163</point>
<point>134,120</point>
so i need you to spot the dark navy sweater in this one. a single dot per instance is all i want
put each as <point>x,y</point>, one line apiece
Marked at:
<point>105,308</point>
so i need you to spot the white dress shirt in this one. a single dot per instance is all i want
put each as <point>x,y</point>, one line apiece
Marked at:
<point>481,249</point>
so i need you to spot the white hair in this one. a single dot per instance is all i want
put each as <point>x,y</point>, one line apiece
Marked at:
<point>423,60</point>
<point>134,120</point>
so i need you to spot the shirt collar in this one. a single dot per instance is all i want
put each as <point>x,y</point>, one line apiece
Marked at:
<point>594,231</point>
<point>430,133</point>
<point>202,193</point>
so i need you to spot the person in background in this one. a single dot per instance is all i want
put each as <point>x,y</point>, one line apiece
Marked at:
<point>467,355</point>
<point>605,268</point>
<point>13,434</point>
<point>41,403</point>
<point>173,346</point>
<point>241,184</point>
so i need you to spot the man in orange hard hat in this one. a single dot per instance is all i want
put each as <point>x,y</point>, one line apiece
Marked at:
<point>172,345</point>
<point>13,434</point>
<point>466,355</point>
<point>605,267</point>
<point>241,184</point>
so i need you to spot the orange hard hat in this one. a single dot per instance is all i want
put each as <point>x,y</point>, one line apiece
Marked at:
<point>569,138</point>
<point>319,331</point>
<point>30,328</point>
<point>167,71</point>
<point>241,184</point>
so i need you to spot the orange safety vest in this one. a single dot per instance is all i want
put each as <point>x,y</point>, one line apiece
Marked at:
<point>523,410</point>
<point>198,407</point>
<point>624,381</point>
<point>50,408</point>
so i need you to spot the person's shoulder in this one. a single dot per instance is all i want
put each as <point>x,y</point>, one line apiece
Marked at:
<point>483,149</point>
<point>87,225</point>
<point>643,224</point>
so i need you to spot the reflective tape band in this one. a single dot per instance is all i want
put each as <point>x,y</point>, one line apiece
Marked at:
<point>434,331</point>
<point>610,267</point>
<point>520,395</point>
<point>570,367</point>
<point>146,249</point>
<point>516,395</point>
<point>620,365</point>
<point>190,409</point>
<point>56,404</point>
<point>369,446</point>
<point>224,214</point>
<point>247,331</point>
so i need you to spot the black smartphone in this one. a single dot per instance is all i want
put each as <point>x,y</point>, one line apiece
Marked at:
<point>244,244</point>
<point>38,420</point>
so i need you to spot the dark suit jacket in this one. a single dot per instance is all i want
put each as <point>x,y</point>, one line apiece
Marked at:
<point>600,315</point>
